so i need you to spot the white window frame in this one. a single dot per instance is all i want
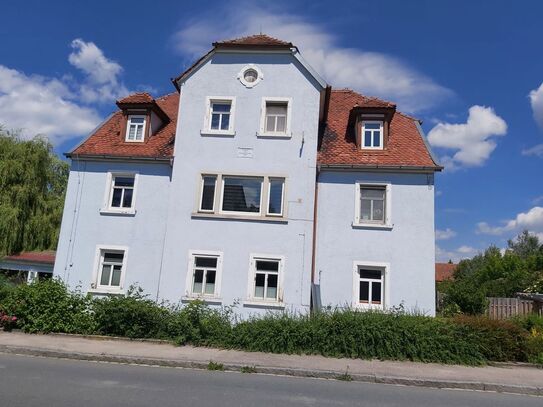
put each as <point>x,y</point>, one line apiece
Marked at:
<point>263,132</point>
<point>206,130</point>
<point>129,123</point>
<point>201,194</point>
<point>108,195</point>
<point>241,76</point>
<point>385,289</point>
<point>97,271</point>
<point>251,299</point>
<point>190,275</point>
<point>279,215</point>
<point>363,135</point>
<point>358,221</point>
<point>259,213</point>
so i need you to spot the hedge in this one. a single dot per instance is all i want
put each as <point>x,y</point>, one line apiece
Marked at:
<point>50,307</point>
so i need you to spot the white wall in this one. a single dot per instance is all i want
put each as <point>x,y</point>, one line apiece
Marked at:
<point>84,227</point>
<point>408,246</point>
<point>293,158</point>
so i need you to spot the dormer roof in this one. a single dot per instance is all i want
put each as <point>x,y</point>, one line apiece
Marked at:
<point>258,40</point>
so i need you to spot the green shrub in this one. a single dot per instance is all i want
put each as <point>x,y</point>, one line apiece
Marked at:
<point>6,286</point>
<point>132,316</point>
<point>48,306</point>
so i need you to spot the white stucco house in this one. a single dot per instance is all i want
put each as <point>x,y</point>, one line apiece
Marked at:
<point>257,184</point>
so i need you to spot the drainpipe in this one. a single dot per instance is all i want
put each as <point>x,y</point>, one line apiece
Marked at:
<point>314,242</point>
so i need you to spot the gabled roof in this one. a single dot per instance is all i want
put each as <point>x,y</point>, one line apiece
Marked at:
<point>107,141</point>
<point>260,40</point>
<point>406,147</point>
<point>445,271</point>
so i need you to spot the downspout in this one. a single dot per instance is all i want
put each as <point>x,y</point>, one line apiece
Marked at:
<point>314,242</point>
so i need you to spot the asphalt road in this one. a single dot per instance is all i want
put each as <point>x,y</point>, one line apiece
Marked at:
<point>29,381</point>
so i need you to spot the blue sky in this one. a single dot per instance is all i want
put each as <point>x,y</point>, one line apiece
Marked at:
<point>471,70</point>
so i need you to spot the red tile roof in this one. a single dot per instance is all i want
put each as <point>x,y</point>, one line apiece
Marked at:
<point>45,257</point>
<point>405,146</point>
<point>254,40</point>
<point>142,97</point>
<point>445,271</point>
<point>107,140</point>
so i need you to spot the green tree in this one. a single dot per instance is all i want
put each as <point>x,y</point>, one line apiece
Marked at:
<point>32,188</point>
<point>525,245</point>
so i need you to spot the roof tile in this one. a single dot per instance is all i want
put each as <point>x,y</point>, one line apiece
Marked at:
<point>257,39</point>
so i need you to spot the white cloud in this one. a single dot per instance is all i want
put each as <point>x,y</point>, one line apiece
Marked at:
<point>462,252</point>
<point>536,150</point>
<point>445,234</point>
<point>371,73</point>
<point>472,140</point>
<point>102,83</point>
<point>39,105</point>
<point>531,221</point>
<point>536,100</point>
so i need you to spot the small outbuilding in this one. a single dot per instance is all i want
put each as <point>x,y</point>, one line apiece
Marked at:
<point>29,265</point>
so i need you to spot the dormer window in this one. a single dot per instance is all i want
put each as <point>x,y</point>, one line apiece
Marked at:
<point>372,135</point>
<point>135,130</point>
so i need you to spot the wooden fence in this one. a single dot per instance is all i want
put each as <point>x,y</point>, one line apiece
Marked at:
<point>502,308</point>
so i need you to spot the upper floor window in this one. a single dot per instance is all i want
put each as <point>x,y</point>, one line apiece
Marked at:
<point>372,134</point>
<point>135,130</point>
<point>246,195</point>
<point>275,117</point>
<point>122,191</point>
<point>373,205</point>
<point>220,116</point>
<point>250,75</point>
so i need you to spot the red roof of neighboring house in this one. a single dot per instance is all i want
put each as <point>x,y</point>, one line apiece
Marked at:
<point>254,40</point>
<point>405,147</point>
<point>108,141</point>
<point>45,257</point>
<point>445,271</point>
<point>142,97</point>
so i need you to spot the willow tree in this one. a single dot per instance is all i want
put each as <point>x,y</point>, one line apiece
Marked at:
<point>32,188</point>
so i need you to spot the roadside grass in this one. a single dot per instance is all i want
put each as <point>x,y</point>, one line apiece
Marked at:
<point>248,369</point>
<point>215,366</point>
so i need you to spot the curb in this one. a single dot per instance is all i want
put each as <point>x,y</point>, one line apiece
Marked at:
<point>308,373</point>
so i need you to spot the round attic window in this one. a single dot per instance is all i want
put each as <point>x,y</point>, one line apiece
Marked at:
<point>250,75</point>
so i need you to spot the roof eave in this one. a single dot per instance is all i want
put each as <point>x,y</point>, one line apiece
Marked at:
<point>379,167</point>
<point>74,156</point>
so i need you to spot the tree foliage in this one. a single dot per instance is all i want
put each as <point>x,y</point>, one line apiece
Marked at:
<point>32,187</point>
<point>495,274</point>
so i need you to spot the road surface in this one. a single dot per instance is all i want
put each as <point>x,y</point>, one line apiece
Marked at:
<point>42,382</point>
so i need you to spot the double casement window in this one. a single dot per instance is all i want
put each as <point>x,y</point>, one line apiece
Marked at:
<point>275,120</point>
<point>204,274</point>
<point>120,194</point>
<point>110,269</point>
<point>265,279</point>
<point>372,135</point>
<point>243,195</point>
<point>219,118</point>
<point>369,281</point>
<point>372,204</point>
<point>135,129</point>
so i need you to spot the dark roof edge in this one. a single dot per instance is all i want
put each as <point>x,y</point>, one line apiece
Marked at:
<point>100,157</point>
<point>378,167</point>
<point>428,147</point>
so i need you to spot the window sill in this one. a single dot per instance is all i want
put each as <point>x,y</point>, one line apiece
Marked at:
<point>105,291</point>
<point>263,304</point>
<point>274,136</point>
<point>212,133</point>
<point>249,218</point>
<point>207,300</point>
<point>113,212</point>
<point>371,226</point>
<point>365,307</point>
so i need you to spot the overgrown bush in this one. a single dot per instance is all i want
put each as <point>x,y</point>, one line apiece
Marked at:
<point>48,306</point>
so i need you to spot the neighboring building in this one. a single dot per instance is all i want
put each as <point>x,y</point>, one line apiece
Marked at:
<point>29,265</point>
<point>445,271</point>
<point>224,203</point>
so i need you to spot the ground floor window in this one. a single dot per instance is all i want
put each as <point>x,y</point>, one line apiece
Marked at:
<point>204,274</point>
<point>369,286</point>
<point>111,268</point>
<point>265,279</point>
